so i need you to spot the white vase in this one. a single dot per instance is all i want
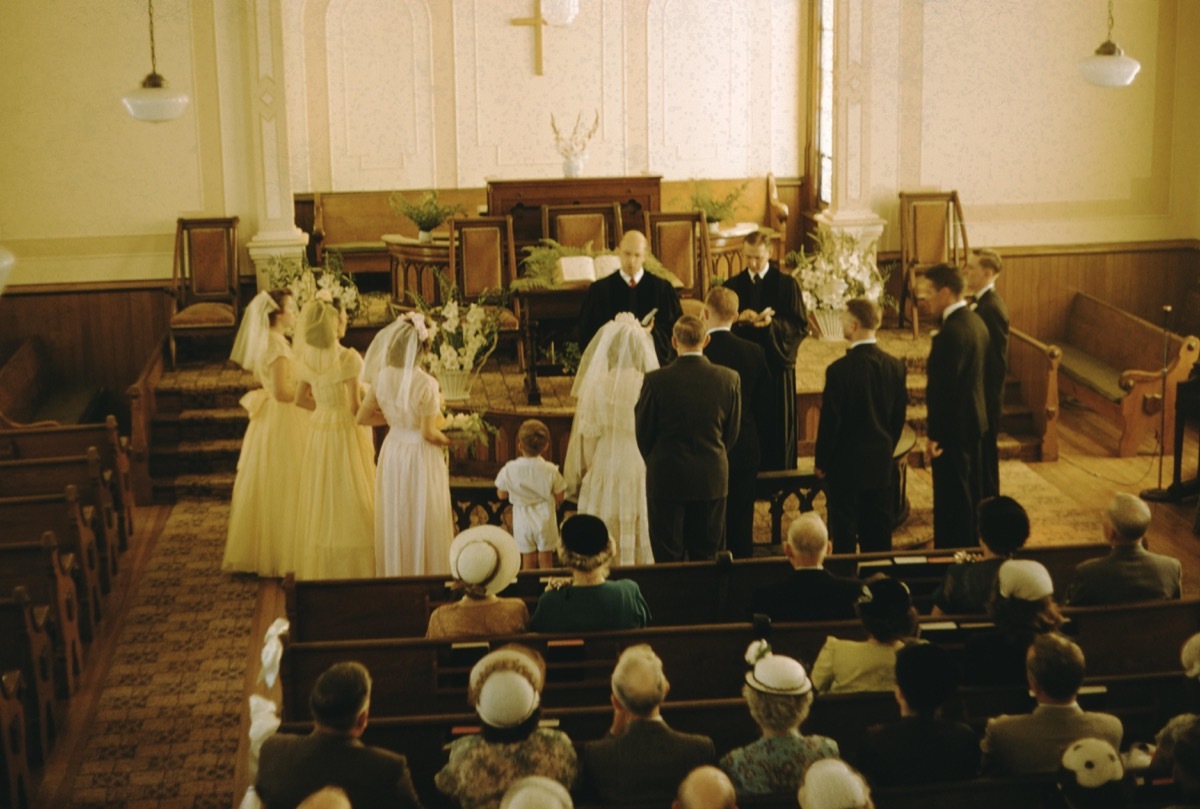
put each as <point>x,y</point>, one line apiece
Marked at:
<point>456,385</point>
<point>714,226</point>
<point>829,321</point>
<point>424,236</point>
<point>573,166</point>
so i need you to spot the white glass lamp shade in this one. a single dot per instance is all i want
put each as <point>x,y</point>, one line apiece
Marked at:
<point>154,101</point>
<point>1109,67</point>
<point>7,260</point>
<point>559,12</point>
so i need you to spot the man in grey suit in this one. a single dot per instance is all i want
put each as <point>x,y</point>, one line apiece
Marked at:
<point>1034,743</point>
<point>641,760</point>
<point>687,417</point>
<point>290,767</point>
<point>1129,572</point>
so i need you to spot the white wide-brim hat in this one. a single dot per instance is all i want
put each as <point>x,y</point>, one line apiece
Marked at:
<point>485,556</point>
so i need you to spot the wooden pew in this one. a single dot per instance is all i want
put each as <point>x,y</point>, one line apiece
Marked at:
<point>25,645</point>
<point>415,675</point>
<point>23,517</point>
<point>16,782</point>
<point>32,393</point>
<point>1112,361</point>
<point>36,476</point>
<point>75,439</point>
<point>47,576</point>
<point>718,592</point>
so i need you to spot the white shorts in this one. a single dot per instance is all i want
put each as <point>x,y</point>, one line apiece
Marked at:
<point>535,527</point>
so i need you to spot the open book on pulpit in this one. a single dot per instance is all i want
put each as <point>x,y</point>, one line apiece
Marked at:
<point>587,268</point>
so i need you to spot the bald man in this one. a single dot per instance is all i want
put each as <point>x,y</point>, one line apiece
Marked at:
<point>1129,572</point>
<point>705,788</point>
<point>632,289</point>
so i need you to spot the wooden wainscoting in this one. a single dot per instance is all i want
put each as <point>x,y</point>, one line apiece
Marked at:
<point>1039,282</point>
<point>99,334</point>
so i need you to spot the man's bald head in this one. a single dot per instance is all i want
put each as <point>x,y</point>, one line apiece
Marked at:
<point>706,788</point>
<point>632,252</point>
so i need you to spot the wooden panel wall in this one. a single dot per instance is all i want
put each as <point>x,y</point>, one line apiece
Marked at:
<point>100,333</point>
<point>1037,283</point>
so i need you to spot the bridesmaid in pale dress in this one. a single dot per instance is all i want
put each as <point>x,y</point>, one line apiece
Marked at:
<point>413,521</point>
<point>260,537</point>
<point>334,520</point>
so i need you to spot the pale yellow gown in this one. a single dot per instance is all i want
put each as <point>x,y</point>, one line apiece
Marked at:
<point>335,519</point>
<point>261,537</point>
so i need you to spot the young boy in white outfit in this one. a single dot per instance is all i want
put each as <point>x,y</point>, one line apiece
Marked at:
<point>536,489</point>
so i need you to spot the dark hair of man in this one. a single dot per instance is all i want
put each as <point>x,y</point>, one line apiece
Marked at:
<point>1056,665</point>
<point>926,675</point>
<point>722,302</point>
<point>1003,524</point>
<point>688,332</point>
<point>946,275</point>
<point>988,259</point>
<point>340,695</point>
<point>755,238</point>
<point>866,312</point>
<point>280,296</point>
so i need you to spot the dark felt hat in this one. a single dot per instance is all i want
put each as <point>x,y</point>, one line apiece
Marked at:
<point>585,535</point>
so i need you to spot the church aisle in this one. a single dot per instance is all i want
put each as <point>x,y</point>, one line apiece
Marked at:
<point>165,729</point>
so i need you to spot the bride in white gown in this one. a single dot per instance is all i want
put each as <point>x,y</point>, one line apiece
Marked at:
<point>604,471</point>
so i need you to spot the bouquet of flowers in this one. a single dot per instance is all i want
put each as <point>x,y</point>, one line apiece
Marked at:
<point>306,283</point>
<point>467,428</point>
<point>837,272</point>
<point>575,144</point>
<point>465,334</point>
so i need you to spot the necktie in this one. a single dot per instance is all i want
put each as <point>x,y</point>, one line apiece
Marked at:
<point>633,283</point>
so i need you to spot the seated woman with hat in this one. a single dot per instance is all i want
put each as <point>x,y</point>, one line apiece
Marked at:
<point>589,602</point>
<point>887,613</point>
<point>779,696</point>
<point>483,560</point>
<point>505,689</point>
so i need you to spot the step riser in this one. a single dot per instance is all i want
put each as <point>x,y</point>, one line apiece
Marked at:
<point>172,464</point>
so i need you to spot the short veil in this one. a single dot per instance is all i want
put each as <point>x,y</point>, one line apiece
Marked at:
<point>250,345</point>
<point>315,344</point>
<point>398,345</point>
<point>607,385</point>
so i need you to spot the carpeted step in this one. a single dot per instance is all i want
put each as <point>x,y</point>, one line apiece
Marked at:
<point>195,458</point>
<point>197,487</point>
<point>200,425</point>
<point>198,387</point>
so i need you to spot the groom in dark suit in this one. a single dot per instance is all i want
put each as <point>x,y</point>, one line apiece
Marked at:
<point>746,358</point>
<point>983,266</point>
<point>862,416</point>
<point>956,411</point>
<point>687,416</point>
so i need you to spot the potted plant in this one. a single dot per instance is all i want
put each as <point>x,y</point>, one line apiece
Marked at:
<point>716,209</point>
<point>426,213</point>
<point>838,271</point>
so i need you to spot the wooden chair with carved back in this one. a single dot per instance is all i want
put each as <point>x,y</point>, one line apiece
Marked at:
<point>579,225</point>
<point>483,259</point>
<point>680,242</point>
<point>205,280</point>
<point>932,232</point>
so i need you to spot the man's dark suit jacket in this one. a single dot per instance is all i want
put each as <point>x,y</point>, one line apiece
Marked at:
<point>957,413</point>
<point>808,594</point>
<point>862,416</point>
<point>687,414</point>
<point>1128,573</point>
<point>290,768</point>
<point>611,295</point>
<point>644,764</point>
<point>918,750</point>
<point>994,314</point>
<point>746,358</point>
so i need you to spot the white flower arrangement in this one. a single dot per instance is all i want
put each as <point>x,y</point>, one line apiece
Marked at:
<point>837,272</point>
<point>467,428</point>
<point>575,145</point>
<point>464,335</point>
<point>322,283</point>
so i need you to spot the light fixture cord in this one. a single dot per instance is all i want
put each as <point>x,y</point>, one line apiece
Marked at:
<point>154,60</point>
<point>1110,24</point>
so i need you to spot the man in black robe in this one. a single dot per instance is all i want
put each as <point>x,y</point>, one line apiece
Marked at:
<point>773,316</point>
<point>631,289</point>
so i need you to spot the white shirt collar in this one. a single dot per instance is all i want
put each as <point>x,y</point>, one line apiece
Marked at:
<point>868,342</point>
<point>952,308</point>
<point>985,290</point>
<point>719,328</point>
<point>691,353</point>
<point>637,278</point>
<point>761,273</point>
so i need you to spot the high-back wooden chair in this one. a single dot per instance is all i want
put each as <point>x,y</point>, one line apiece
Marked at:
<point>680,242</point>
<point>205,279</point>
<point>579,225</point>
<point>932,232</point>
<point>483,257</point>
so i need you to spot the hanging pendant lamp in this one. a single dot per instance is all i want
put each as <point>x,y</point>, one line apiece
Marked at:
<point>1109,66</point>
<point>153,101</point>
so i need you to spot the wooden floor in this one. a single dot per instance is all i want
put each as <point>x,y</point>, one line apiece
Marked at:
<point>1087,473</point>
